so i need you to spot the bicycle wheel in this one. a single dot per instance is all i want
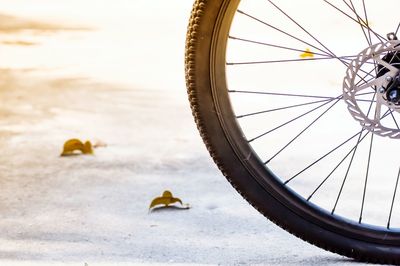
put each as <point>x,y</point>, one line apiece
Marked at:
<point>298,103</point>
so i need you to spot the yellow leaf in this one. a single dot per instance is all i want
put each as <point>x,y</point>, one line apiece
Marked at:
<point>166,199</point>
<point>72,145</point>
<point>307,53</point>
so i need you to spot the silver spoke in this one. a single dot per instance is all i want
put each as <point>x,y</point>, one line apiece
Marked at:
<point>301,132</point>
<point>350,164</point>
<point>279,61</point>
<point>292,120</point>
<point>347,15</point>
<point>394,197</point>
<point>367,20</point>
<point>362,23</point>
<point>301,27</point>
<point>366,179</point>
<point>281,31</point>
<point>349,58</point>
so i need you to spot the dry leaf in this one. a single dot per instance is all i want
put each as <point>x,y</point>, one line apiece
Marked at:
<point>307,53</point>
<point>166,199</point>
<point>73,145</point>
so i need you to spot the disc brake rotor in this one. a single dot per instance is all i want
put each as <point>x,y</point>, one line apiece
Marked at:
<point>385,85</point>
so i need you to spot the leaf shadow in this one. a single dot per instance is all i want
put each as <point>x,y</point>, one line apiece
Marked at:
<point>173,208</point>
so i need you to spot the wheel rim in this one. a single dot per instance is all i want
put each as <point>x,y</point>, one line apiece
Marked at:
<point>353,156</point>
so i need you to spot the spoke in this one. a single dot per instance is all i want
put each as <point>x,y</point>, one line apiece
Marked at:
<point>371,84</point>
<point>312,36</point>
<point>292,95</point>
<point>294,106</point>
<point>397,30</point>
<point>278,61</point>
<point>347,15</point>
<point>359,21</point>
<point>301,132</point>
<point>296,60</point>
<point>326,98</point>
<point>293,119</point>
<point>283,94</point>
<point>367,73</point>
<point>366,19</point>
<point>369,39</point>
<point>290,106</point>
<point>321,158</point>
<point>345,157</point>
<point>394,197</point>
<point>366,177</point>
<point>365,76</point>
<point>351,161</point>
<point>347,57</point>
<point>391,60</point>
<point>281,31</point>
<point>281,108</point>
<point>329,53</point>
<point>348,169</point>
<point>336,167</point>
<point>386,64</point>
<point>330,152</point>
<point>350,57</point>
<point>362,78</point>
<point>365,23</point>
<point>365,81</point>
<point>394,120</point>
<point>301,27</point>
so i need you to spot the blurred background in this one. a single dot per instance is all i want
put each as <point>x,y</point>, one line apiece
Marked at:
<point>124,42</point>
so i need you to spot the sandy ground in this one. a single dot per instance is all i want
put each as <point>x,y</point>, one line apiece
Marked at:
<point>93,210</point>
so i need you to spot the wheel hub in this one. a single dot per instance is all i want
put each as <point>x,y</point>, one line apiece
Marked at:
<point>393,91</point>
<point>383,82</point>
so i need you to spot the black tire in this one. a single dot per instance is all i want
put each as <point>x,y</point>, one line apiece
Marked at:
<point>211,108</point>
